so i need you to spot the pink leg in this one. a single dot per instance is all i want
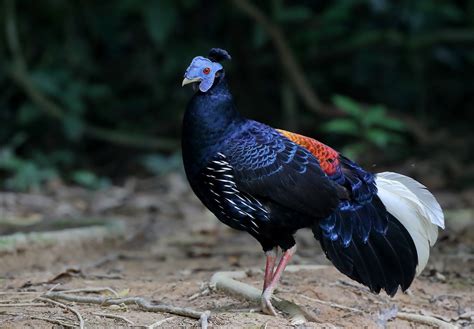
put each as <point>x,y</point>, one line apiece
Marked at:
<point>268,291</point>
<point>269,266</point>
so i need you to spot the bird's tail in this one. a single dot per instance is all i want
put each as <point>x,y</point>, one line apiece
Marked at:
<point>383,243</point>
<point>415,208</point>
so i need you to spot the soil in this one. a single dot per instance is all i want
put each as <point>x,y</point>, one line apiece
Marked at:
<point>173,246</point>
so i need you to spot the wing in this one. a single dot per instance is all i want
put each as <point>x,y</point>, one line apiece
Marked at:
<point>359,183</point>
<point>357,214</point>
<point>270,166</point>
<point>328,158</point>
<point>232,206</point>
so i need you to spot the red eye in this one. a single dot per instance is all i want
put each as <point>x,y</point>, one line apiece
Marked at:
<point>207,70</point>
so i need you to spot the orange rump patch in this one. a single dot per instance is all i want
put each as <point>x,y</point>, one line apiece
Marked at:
<point>328,157</point>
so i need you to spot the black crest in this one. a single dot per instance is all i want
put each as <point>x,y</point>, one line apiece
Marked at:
<point>218,55</point>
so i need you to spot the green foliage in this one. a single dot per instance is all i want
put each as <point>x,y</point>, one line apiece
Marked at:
<point>88,179</point>
<point>367,126</point>
<point>24,174</point>
<point>293,13</point>
<point>160,164</point>
<point>160,18</point>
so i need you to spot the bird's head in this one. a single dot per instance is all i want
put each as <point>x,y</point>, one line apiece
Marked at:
<point>205,70</point>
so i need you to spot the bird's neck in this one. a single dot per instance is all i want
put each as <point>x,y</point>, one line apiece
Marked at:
<point>210,119</point>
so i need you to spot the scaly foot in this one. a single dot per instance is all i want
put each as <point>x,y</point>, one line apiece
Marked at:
<point>267,306</point>
<point>266,303</point>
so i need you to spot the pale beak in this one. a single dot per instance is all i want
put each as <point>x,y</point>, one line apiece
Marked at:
<point>188,81</point>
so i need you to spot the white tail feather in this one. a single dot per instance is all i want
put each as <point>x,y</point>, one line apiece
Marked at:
<point>415,208</point>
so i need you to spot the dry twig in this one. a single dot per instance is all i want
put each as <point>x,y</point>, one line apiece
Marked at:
<point>20,304</point>
<point>157,323</point>
<point>426,319</point>
<point>92,289</point>
<point>342,307</point>
<point>202,292</point>
<point>53,287</point>
<point>73,310</point>
<point>18,292</point>
<point>114,316</point>
<point>34,317</point>
<point>142,303</point>
<point>226,281</point>
<point>79,235</point>
<point>55,321</point>
<point>203,321</point>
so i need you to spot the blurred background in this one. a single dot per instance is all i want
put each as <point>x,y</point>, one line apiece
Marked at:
<point>91,94</point>
<point>91,180</point>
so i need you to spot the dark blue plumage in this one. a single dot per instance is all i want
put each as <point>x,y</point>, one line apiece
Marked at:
<point>272,173</point>
<point>359,214</point>
<point>254,178</point>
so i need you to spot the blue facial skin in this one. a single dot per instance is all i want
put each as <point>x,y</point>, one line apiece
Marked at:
<point>196,71</point>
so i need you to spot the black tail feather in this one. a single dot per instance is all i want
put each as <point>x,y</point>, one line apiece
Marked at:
<point>385,261</point>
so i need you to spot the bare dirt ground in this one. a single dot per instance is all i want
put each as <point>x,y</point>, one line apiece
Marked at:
<point>171,247</point>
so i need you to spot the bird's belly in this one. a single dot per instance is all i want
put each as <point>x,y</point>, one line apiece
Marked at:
<point>257,217</point>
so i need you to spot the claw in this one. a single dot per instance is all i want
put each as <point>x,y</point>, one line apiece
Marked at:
<point>266,304</point>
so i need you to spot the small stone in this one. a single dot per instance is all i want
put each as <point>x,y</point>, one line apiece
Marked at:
<point>440,277</point>
<point>467,315</point>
